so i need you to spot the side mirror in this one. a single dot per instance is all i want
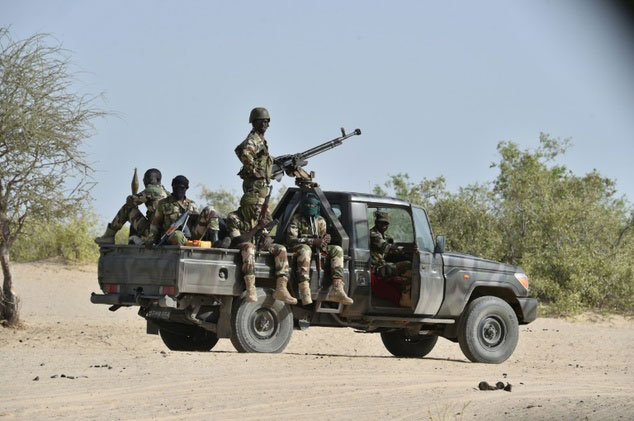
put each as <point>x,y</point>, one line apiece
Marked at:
<point>440,244</point>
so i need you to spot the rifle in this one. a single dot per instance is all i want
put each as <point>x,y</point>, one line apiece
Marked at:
<point>316,250</point>
<point>182,221</point>
<point>249,234</point>
<point>296,161</point>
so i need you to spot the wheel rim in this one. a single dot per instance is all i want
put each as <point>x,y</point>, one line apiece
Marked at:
<point>264,323</point>
<point>492,331</point>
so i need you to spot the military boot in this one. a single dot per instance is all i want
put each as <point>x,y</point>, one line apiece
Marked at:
<point>249,282</point>
<point>281,292</point>
<point>107,237</point>
<point>304,293</point>
<point>337,294</point>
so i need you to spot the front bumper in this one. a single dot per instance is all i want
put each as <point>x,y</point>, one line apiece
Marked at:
<point>529,310</point>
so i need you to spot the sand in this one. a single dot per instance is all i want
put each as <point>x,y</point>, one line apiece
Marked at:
<point>91,363</point>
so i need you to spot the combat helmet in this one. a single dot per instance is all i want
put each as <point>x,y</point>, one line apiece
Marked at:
<point>259,113</point>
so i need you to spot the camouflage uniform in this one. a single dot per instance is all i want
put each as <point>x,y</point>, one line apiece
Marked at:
<point>238,223</point>
<point>297,235</point>
<point>257,164</point>
<point>398,275</point>
<point>168,211</point>
<point>139,223</point>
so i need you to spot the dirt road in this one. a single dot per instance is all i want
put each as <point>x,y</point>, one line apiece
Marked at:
<point>91,363</point>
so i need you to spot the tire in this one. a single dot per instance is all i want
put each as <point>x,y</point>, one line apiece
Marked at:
<point>401,345</point>
<point>488,330</point>
<point>263,326</point>
<point>188,338</point>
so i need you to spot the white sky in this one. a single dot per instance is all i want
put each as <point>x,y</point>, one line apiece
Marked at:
<point>434,86</point>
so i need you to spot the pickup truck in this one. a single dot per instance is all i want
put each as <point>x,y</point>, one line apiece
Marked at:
<point>193,296</point>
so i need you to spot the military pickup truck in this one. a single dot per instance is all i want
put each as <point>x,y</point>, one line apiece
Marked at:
<point>193,296</point>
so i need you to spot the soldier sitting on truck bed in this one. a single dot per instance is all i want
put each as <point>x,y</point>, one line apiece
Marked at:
<point>242,226</point>
<point>129,212</point>
<point>307,230</point>
<point>172,207</point>
<point>389,280</point>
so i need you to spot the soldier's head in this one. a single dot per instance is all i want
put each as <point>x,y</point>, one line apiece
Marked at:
<point>180,184</point>
<point>381,220</point>
<point>152,177</point>
<point>260,119</point>
<point>310,205</point>
<point>251,205</point>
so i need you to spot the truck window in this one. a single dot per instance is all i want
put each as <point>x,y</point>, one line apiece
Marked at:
<point>424,238</point>
<point>401,228</point>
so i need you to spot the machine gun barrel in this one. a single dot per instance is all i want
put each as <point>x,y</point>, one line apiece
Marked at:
<point>298,160</point>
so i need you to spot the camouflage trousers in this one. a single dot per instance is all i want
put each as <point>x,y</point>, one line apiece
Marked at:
<point>334,256</point>
<point>278,251</point>
<point>401,270</point>
<point>139,225</point>
<point>256,185</point>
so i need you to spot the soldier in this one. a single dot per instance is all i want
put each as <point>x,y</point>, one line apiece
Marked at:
<point>253,152</point>
<point>139,223</point>
<point>242,225</point>
<point>172,207</point>
<point>395,278</point>
<point>307,229</point>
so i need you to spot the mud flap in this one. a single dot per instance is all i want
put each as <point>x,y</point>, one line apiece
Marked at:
<point>223,328</point>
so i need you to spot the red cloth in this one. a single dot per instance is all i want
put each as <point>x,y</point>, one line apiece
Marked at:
<point>390,290</point>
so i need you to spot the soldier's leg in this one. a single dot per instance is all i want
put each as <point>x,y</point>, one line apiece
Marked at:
<point>281,271</point>
<point>139,227</point>
<point>247,250</point>
<point>125,214</point>
<point>337,292</point>
<point>303,255</point>
<point>404,272</point>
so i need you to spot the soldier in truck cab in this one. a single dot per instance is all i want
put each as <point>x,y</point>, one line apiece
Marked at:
<point>392,281</point>
<point>307,231</point>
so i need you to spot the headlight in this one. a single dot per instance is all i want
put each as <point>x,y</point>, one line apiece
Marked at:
<point>523,279</point>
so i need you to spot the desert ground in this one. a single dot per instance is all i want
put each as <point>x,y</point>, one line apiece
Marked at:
<point>75,360</point>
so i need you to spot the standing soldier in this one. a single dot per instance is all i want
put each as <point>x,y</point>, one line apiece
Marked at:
<point>139,223</point>
<point>242,225</point>
<point>172,207</point>
<point>396,278</point>
<point>307,229</point>
<point>253,152</point>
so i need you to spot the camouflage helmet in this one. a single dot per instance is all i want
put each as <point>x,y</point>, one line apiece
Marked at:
<point>381,216</point>
<point>259,113</point>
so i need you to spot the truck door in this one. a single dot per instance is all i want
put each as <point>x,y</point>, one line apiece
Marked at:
<point>427,271</point>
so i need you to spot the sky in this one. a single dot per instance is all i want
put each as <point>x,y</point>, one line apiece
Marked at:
<point>433,86</point>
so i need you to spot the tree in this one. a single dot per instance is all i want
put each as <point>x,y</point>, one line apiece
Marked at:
<point>43,125</point>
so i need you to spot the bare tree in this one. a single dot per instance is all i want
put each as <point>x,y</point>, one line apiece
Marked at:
<point>44,173</point>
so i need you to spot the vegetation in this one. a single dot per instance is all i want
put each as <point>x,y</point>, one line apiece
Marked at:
<point>571,233</point>
<point>43,125</point>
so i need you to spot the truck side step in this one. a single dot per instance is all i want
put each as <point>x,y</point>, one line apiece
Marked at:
<point>426,320</point>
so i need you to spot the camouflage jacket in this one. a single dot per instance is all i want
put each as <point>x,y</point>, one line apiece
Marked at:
<point>379,246</point>
<point>253,152</point>
<point>236,225</point>
<point>300,230</point>
<point>151,195</point>
<point>168,210</point>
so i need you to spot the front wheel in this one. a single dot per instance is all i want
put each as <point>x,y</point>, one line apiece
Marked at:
<point>263,326</point>
<point>488,330</point>
<point>187,338</point>
<point>401,345</point>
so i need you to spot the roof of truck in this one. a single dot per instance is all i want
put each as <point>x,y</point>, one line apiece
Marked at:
<point>365,197</point>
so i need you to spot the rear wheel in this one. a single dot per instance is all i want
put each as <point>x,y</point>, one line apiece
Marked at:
<point>187,338</point>
<point>402,345</point>
<point>488,330</point>
<point>263,326</point>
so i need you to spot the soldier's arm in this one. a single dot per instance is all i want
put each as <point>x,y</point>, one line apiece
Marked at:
<point>137,199</point>
<point>378,244</point>
<point>249,153</point>
<point>207,222</point>
<point>155,226</point>
<point>232,226</point>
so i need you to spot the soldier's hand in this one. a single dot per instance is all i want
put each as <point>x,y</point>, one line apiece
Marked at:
<point>317,242</point>
<point>325,240</point>
<point>390,240</point>
<point>130,200</point>
<point>266,242</point>
<point>148,242</point>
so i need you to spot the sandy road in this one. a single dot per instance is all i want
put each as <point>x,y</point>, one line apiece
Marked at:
<point>112,370</point>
